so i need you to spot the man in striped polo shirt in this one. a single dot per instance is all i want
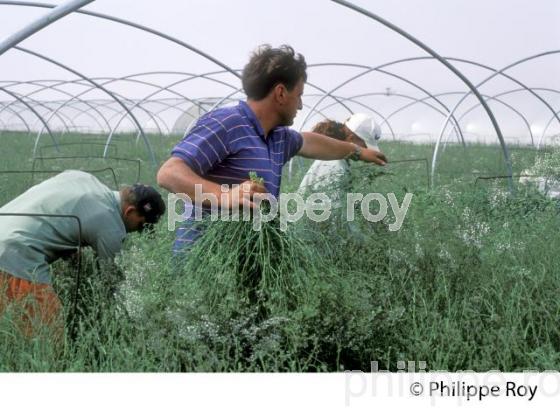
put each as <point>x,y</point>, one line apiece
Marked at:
<point>227,143</point>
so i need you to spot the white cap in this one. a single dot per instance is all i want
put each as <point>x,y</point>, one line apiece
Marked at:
<point>365,127</point>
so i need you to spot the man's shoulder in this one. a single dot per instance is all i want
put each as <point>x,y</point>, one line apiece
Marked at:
<point>74,176</point>
<point>225,116</point>
<point>287,132</point>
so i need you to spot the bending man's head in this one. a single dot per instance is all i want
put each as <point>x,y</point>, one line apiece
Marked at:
<point>142,206</point>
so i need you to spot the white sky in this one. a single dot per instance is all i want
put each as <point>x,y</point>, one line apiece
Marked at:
<point>491,32</point>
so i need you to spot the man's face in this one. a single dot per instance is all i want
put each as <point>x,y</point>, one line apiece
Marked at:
<point>291,104</point>
<point>133,221</point>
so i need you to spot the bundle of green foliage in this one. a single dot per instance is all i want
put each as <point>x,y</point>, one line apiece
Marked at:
<point>233,264</point>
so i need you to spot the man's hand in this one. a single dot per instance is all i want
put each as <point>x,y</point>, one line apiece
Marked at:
<point>371,155</point>
<point>319,146</point>
<point>244,194</point>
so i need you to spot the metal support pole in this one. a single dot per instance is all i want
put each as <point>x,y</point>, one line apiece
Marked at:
<point>57,13</point>
<point>455,71</point>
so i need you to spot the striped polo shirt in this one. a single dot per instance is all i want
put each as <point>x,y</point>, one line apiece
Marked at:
<point>228,143</point>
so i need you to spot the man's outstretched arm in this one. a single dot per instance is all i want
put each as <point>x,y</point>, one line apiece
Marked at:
<point>319,146</point>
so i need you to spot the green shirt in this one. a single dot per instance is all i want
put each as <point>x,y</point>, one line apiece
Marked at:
<point>29,244</point>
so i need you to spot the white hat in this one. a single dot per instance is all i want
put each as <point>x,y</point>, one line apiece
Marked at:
<point>365,127</point>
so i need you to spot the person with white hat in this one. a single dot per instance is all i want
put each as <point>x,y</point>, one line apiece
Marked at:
<point>360,129</point>
<point>365,127</point>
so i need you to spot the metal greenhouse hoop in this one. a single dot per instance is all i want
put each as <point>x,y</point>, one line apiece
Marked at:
<point>450,67</point>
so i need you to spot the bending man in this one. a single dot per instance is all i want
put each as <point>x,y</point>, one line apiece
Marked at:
<point>29,244</point>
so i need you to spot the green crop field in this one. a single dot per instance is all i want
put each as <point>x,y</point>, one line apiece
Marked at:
<point>470,281</point>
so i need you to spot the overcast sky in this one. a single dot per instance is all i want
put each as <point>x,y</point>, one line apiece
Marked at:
<point>491,32</point>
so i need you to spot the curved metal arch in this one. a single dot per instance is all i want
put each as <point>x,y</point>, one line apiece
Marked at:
<point>166,107</point>
<point>49,109</point>
<point>386,118</point>
<point>497,72</point>
<point>368,70</point>
<point>495,98</point>
<point>228,98</point>
<point>55,86</point>
<point>477,64</point>
<point>17,110</point>
<point>146,98</point>
<point>130,24</point>
<point>14,95</point>
<point>84,112</point>
<point>134,119</point>
<point>555,115</point>
<point>207,77</point>
<point>142,108</point>
<point>477,105</point>
<point>57,83</point>
<point>190,76</point>
<point>175,106</point>
<point>170,106</point>
<point>106,104</point>
<point>320,112</point>
<point>4,126</point>
<point>160,88</point>
<point>181,81</point>
<point>14,112</point>
<point>154,114</point>
<point>116,94</point>
<point>511,78</point>
<point>129,78</point>
<point>546,129</point>
<point>62,117</point>
<point>57,13</point>
<point>352,99</point>
<point>399,77</point>
<point>455,71</point>
<point>238,90</point>
<point>452,59</point>
<point>91,87</point>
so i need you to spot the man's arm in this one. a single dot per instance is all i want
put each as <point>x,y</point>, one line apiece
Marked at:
<point>177,177</point>
<point>319,146</point>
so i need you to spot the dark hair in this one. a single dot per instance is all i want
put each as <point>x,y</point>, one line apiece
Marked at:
<point>271,66</point>
<point>146,200</point>
<point>338,131</point>
<point>333,129</point>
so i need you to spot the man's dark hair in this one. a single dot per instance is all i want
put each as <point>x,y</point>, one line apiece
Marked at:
<point>146,200</point>
<point>271,66</point>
